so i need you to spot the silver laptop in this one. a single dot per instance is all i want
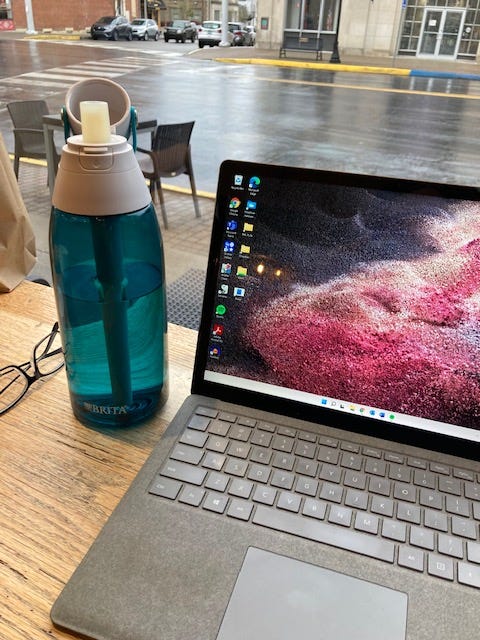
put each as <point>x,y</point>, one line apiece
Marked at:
<point>322,480</point>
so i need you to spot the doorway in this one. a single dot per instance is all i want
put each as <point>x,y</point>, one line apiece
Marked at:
<point>441,33</point>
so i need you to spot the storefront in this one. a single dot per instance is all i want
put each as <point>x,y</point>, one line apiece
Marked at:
<point>444,29</point>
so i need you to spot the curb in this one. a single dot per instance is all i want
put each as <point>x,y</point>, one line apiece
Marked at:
<point>327,66</point>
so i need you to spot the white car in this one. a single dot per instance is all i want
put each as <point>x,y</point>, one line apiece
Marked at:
<point>144,29</point>
<point>210,34</point>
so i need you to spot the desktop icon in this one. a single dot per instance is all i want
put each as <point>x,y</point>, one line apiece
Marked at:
<point>244,249</point>
<point>251,205</point>
<point>234,203</point>
<point>254,182</point>
<point>226,268</point>
<point>217,330</point>
<point>238,292</point>
<point>228,246</point>
<point>247,227</point>
<point>214,351</point>
<point>232,225</point>
<point>223,290</point>
<point>241,272</point>
<point>237,181</point>
<point>221,310</point>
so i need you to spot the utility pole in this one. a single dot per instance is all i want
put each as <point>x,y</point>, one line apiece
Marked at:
<point>29,14</point>
<point>224,42</point>
<point>335,57</point>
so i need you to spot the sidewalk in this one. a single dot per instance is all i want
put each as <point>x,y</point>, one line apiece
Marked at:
<point>397,65</point>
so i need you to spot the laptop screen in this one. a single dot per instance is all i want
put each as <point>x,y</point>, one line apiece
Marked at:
<point>354,294</point>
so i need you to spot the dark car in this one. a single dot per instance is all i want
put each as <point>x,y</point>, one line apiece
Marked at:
<point>180,31</point>
<point>111,28</point>
<point>242,37</point>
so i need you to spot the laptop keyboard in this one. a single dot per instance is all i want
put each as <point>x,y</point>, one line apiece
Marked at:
<point>416,513</point>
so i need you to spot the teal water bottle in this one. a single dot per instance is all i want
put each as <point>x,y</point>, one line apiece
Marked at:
<point>109,278</point>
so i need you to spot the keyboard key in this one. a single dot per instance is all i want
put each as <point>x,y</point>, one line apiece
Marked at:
<point>440,566</point>
<point>265,495</point>
<point>247,422</point>
<point>266,426</point>
<point>351,461</point>
<point>459,506</point>
<point>194,438</point>
<point>192,455</point>
<point>356,499</point>
<point>183,472</point>
<point>240,488</point>
<point>217,481</point>
<point>436,467</point>
<point>423,538</point>
<point>237,432</point>
<point>215,502</point>
<point>217,443</point>
<point>331,492</point>
<point>405,492</point>
<point>306,435</point>
<point>330,473</point>
<point>366,522</point>
<point>282,480</point>
<point>240,509</point>
<point>239,450</point>
<point>376,467</point>
<point>381,486</point>
<point>408,512</point>
<point>261,438</point>
<point>262,455</point>
<point>236,467</point>
<point>329,442</point>
<point>355,479</point>
<point>349,446</point>
<point>468,574</point>
<point>394,530</point>
<point>228,417</point>
<point>329,455</point>
<point>307,468</point>
<point>371,453</point>
<point>464,528</point>
<point>306,450</point>
<point>473,552</point>
<point>450,546</point>
<point>336,536</point>
<point>289,501</point>
<point>283,443</point>
<point>340,515</point>
<point>206,411</point>
<point>219,428</point>
<point>314,508</point>
<point>283,461</point>
<point>436,520</point>
<point>400,473</point>
<point>424,479</point>
<point>213,461</point>
<point>450,485</point>
<point>200,423</point>
<point>165,487</point>
<point>307,486</point>
<point>417,463</point>
<point>287,431</point>
<point>192,495</point>
<point>411,558</point>
<point>394,457</point>
<point>431,499</point>
<point>464,474</point>
<point>383,506</point>
<point>472,491</point>
<point>259,473</point>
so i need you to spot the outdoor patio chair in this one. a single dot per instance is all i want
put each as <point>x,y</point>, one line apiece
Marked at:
<point>169,157</point>
<point>27,118</point>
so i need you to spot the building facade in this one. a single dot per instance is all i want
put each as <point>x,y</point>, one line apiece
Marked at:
<point>443,29</point>
<point>77,16</point>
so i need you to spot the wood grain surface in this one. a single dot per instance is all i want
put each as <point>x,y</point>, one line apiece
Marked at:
<point>60,480</point>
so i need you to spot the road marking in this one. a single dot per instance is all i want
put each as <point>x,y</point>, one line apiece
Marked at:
<point>417,92</point>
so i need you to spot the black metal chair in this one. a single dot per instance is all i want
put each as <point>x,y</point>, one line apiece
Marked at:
<point>169,157</point>
<point>27,118</point>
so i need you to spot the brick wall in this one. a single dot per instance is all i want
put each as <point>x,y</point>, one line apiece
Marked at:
<point>58,15</point>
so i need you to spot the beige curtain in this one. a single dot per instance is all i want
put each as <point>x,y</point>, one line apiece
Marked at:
<point>17,241</point>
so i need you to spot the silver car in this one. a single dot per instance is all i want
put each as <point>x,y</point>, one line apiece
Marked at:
<point>210,34</point>
<point>144,29</point>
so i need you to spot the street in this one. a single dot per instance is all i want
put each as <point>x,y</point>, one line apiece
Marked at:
<point>380,124</point>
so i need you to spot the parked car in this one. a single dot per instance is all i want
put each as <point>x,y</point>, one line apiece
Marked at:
<point>210,34</point>
<point>241,36</point>
<point>144,29</point>
<point>180,31</point>
<point>252,32</point>
<point>111,28</point>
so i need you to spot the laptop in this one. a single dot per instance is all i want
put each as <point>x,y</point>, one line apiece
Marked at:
<point>322,479</point>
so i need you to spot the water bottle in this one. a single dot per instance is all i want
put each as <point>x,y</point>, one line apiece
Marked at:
<point>108,275</point>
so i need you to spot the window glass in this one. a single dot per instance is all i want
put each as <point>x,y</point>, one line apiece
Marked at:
<point>294,14</point>
<point>328,15</point>
<point>311,18</point>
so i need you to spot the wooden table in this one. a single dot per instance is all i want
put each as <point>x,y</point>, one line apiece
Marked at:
<point>60,480</point>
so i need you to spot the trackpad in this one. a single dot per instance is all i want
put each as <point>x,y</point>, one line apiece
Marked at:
<point>278,598</point>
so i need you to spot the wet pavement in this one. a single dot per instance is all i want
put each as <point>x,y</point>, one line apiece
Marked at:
<point>346,119</point>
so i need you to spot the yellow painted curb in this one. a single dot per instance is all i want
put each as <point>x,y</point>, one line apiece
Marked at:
<point>167,187</point>
<point>323,66</point>
<point>52,36</point>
